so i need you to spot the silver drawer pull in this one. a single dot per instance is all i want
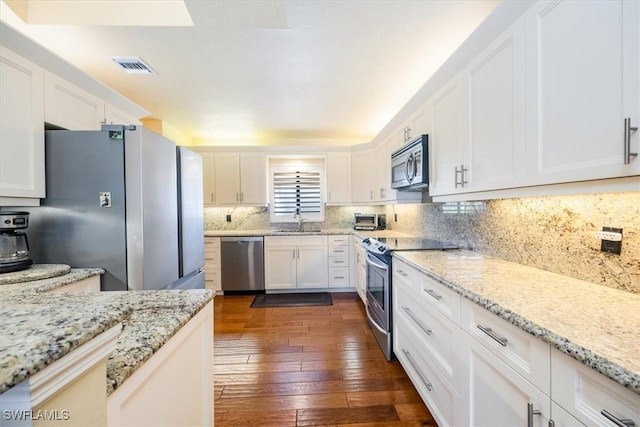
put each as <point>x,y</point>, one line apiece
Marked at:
<point>413,364</point>
<point>621,422</point>
<point>502,341</point>
<point>338,277</point>
<point>530,413</point>
<point>402,273</point>
<point>433,294</point>
<point>417,322</point>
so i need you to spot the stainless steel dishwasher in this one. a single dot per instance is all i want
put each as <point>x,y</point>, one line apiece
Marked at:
<point>242,264</point>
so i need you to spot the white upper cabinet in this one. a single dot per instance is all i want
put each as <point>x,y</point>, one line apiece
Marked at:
<point>115,116</point>
<point>70,107</point>
<point>495,142</point>
<point>478,137</point>
<point>582,82</point>
<point>239,179</point>
<point>338,178</point>
<point>362,182</point>
<point>446,145</point>
<point>21,131</point>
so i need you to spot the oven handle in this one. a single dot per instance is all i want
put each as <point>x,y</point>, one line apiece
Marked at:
<point>371,260</point>
<point>373,322</point>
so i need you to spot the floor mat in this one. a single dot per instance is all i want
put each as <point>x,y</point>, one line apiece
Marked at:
<point>292,300</point>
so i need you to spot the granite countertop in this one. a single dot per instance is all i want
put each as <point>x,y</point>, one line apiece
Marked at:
<point>594,324</point>
<point>38,328</point>
<point>331,231</point>
<point>34,272</point>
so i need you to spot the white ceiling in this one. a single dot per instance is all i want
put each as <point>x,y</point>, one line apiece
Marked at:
<point>267,72</point>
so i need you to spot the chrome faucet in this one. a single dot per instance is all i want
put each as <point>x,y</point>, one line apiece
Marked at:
<point>300,219</point>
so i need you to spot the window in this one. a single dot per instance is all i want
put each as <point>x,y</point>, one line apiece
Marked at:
<point>297,187</point>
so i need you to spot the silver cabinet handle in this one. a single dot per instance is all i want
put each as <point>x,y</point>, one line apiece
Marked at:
<point>298,252</point>
<point>294,254</point>
<point>237,197</point>
<point>627,140</point>
<point>530,413</point>
<point>213,197</point>
<point>414,365</point>
<point>502,341</point>
<point>402,273</point>
<point>417,321</point>
<point>371,196</point>
<point>621,422</point>
<point>433,294</point>
<point>552,423</point>
<point>461,172</point>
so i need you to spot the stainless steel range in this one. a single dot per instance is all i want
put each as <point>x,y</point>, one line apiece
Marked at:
<point>378,296</point>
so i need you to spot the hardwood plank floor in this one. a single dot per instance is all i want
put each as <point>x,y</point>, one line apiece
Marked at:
<point>307,366</point>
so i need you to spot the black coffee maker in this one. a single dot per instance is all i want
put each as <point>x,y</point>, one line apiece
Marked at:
<point>14,247</point>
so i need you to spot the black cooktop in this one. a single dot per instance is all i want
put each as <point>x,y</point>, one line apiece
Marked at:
<point>385,245</point>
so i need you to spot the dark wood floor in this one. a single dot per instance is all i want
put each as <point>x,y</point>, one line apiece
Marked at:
<point>306,366</point>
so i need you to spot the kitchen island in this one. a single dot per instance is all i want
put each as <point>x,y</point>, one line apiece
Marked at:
<point>40,329</point>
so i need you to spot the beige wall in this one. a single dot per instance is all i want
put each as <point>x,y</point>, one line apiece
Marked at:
<point>550,233</point>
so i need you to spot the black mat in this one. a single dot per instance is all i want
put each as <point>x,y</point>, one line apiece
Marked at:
<point>292,300</point>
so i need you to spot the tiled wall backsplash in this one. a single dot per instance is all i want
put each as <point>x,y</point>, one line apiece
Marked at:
<point>550,233</point>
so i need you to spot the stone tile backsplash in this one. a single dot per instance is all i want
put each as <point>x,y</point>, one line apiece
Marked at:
<point>551,233</point>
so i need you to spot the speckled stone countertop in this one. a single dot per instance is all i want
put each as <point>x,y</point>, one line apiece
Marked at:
<point>333,231</point>
<point>34,272</point>
<point>37,328</point>
<point>596,325</point>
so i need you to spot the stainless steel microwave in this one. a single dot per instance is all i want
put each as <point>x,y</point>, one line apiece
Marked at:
<point>410,165</point>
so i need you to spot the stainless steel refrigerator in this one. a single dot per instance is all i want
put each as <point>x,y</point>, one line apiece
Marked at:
<point>125,199</point>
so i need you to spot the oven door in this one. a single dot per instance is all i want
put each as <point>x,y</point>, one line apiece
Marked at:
<point>378,302</point>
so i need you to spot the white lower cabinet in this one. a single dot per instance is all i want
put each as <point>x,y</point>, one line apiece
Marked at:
<point>212,271</point>
<point>473,368</point>
<point>498,395</point>
<point>591,398</point>
<point>295,262</point>
<point>339,261</point>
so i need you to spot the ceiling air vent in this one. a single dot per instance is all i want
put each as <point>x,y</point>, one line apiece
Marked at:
<point>133,65</point>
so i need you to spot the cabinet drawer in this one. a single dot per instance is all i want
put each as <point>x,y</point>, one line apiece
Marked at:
<point>211,243</point>
<point>341,240</point>
<point>437,335</point>
<point>295,241</point>
<point>438,296</point>
<point>338,250</point>
<point>589,395</point>
<point>339,261</point>
<point>526,354</point>
<point>339,277</point>
<point>212,279</point>
<point>441,399</point>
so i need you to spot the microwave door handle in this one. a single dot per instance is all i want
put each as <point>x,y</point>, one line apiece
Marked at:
<point>410,164</point>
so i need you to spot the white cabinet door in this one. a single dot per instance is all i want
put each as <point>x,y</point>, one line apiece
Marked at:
<point>70,107</point>
<point>280,267</point>
<point>496,151</point>
<point>582,82</point>
<point>338,178</point>
<point>253,179</point>
<point>381,179</point>
<point>498,396</point>
<point>21,129</point>
<point>208,178</point>
<point>446,144</point>
<point>361,176</point>
<point>312,267</point>
<point>226,171</point>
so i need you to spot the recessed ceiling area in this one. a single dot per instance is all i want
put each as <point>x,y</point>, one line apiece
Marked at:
<point>263,72</point>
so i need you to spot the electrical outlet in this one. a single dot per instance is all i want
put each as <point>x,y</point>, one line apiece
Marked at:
<point>228,217</point>
<point>611,240</point>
